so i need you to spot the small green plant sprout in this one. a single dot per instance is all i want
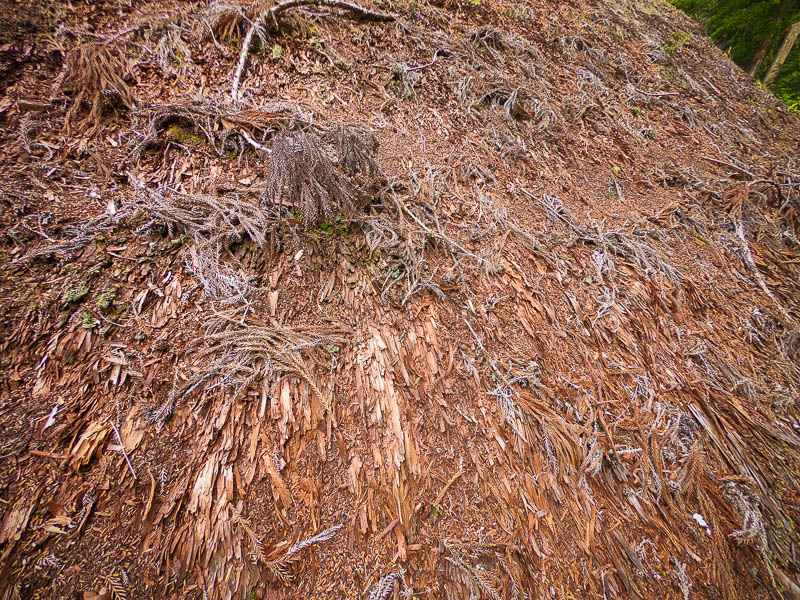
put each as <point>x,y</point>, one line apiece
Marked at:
<point>277,52</point>
<point>616,170</point>
<point>674,41</point>
<point>435,513</point>
<point>337,226</point>
<point>73,292</point>
<point>180,135</point>
<point>179,242</point>
<point>106,298</point>
<point>88,320</point>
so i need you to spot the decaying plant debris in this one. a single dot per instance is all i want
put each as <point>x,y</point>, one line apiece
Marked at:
<point>224,128</point>
<point>313,174</point>
<point>381,300</point>
<point>95,77</point>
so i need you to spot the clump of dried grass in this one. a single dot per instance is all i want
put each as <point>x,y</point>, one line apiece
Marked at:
<point>405,77</point>
<point>95,78</point>
<point>163,34</point>
<point>313,173</point>
<point>489,37</point>
<point>406,221</point>
<point>221,280</point>
<point>402,249</point>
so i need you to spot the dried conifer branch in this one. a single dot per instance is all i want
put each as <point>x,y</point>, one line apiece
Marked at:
<point>311,174</point>
<point>205,218</point>
<point>79,235</point>
<point>207,118</point>
<point>630,246</point>
<point>244,353</point>
<point>278,567</point>
<point>747,258</point>
<point>213,223</point>
<point>477,574</point>
<point>244,348</point>
<point>384,588</point>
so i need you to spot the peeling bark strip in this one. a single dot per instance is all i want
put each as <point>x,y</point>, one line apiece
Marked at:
<point>271,14</point>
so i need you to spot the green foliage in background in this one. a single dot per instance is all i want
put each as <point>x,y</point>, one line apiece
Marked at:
<point>740,26</point>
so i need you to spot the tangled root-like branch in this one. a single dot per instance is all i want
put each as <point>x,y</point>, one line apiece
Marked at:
<point>95,77</point>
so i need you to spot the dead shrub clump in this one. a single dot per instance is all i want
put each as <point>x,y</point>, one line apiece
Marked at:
<point>95,77</point>
<point>513,101</point>
<point>225,128</point>
<point>313,173</point>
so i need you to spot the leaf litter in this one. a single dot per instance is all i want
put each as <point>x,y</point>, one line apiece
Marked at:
<point>519,321</point>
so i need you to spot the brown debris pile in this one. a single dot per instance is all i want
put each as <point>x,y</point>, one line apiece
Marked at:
<point>429,300</point>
